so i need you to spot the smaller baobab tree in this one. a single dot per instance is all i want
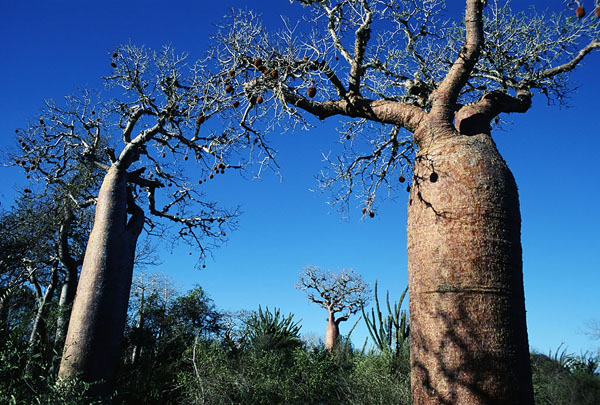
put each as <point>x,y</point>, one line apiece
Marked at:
<point>342,293</point>
<point>153,140</point>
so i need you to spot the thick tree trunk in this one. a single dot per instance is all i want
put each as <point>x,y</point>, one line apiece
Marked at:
<point>467,307</point>
<point>93,343</point>
<point>332,333</point>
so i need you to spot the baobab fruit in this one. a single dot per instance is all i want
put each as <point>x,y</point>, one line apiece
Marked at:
<point>200,119</point>
<point>312,91</point>
<point>597,11</point>
<point>228,88</point>
<point>232,72</point>
<point>258,62</point>
<point>364,211</point>
<point>41,121</point>
<point>26,190</point>
<point>274,74</point>
<point>580,12</point>
<point>236,104</point>
<point>113,64</point>
<point>205,91</point>
<point>114,55</point>
<point>348,137</point>
<point>371,214</point>
<point>163,155</point>
<point>16,131</point>
<point>433,177</point>
<point>259,100</point>
<point>93,112</point>
<point>199,181</point>
<point>401,179</point>
<point>185,158</point>
<point>210,176</point>
<point>221,166</point>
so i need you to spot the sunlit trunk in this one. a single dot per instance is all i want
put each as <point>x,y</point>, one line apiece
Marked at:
<point>467,308</point>
<point>332,333</point>
<point>93,343</point>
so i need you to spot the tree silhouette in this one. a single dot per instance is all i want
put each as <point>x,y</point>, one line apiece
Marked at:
<point>342,293</point>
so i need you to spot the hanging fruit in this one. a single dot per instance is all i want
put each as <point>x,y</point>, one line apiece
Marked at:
<point>312,91</point>
<point>236,104</point>
<point>228,88</point>
<point>597,11</point>
<point>580,12</point>
<point>371,214</point>
<point>401,179</point>
<point>259,100</point>
<point>200,119</point>
<point>433,177</point>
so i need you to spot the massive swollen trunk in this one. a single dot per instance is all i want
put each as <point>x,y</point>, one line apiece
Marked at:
<point>98,317</point>
<point>467,307</point>
<point>332,332</point>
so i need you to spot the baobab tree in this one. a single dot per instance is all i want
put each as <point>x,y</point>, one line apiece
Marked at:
<point>343,293</point>
<point>418,98</point>
<point>151,137</point>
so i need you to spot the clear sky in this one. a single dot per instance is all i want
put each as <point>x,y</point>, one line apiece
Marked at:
<point>51,47</point>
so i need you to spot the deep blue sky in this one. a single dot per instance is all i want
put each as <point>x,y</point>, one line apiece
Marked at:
<point>51,47</point>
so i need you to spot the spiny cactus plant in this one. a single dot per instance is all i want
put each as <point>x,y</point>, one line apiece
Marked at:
<point>390,334</point>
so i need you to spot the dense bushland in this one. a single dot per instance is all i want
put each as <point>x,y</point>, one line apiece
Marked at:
<point>180,349</point>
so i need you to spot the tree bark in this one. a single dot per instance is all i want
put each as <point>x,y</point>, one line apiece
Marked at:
<point>137,349</point>
<point>93,343</point>
<point>332,333</point>
<point>69,286</point>
<point>467,306</point>
<point>38,328</point>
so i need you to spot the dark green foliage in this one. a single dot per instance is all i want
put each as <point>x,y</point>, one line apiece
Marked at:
<point>563,378</point>
<point>169,329</point>
<point>271,330</point>
<point>40,388</point>
<point>186,357</point>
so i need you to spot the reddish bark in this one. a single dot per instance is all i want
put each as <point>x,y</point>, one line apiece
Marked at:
<point>332,332</point>
<point>467,313</point>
